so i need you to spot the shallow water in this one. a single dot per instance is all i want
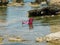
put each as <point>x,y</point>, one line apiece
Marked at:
<point>11,25</point>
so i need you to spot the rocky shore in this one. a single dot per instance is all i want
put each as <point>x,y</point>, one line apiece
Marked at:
<point>54,2</point>
<point>53,37</point>
<point>16,4</point>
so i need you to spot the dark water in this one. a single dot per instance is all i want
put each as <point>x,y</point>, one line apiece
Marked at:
<point>11,25</point>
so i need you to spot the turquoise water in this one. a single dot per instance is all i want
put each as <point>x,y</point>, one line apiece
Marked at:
<point>11,25</point>
<point>25,0</point>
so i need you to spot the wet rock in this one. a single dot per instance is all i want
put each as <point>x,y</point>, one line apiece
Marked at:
<point>3,2</point>
<point>15,4</point>
<point>48,11</point>
<point>19,1</point>
<point>36,2</point>
<point>1,39</point>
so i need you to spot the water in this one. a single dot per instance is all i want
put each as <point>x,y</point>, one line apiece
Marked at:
<point>25,0</point>
<point>11,25</point>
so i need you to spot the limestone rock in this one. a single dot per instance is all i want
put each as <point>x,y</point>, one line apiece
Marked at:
<point>15,39</point>
<point>53,37</point>
<point>55,2</point>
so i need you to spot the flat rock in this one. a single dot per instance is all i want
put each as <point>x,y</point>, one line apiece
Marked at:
<point>55,2</point>
<point>53,37</point>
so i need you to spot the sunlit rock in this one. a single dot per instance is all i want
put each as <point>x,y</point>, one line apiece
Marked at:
<point>53,37</point>
<point>39,39</point>
<point>34,5</point>
<point>16,4</point>
<point>55,2</point>
<point>52,15</point>
<point>15,39</point>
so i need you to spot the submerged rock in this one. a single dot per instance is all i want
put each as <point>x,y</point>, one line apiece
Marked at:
<point>1,39</point>
<point>15,39</point>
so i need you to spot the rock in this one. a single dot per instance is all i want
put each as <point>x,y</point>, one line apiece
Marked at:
<point>47,11</point>
<point>15,4</point>
<point>53,37</point>
<point>34,4</point>
<point>39,39</point>
<point>15,39</point>
<point>54,2</point>
<point>38,1</point>
<point>52,15</point>
<point>4,2</point>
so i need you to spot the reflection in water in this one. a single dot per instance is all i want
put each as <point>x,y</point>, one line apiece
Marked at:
<point>54,23</point>
<point>30,23</point>
<point>51,20</point>
<point>3,14</point>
